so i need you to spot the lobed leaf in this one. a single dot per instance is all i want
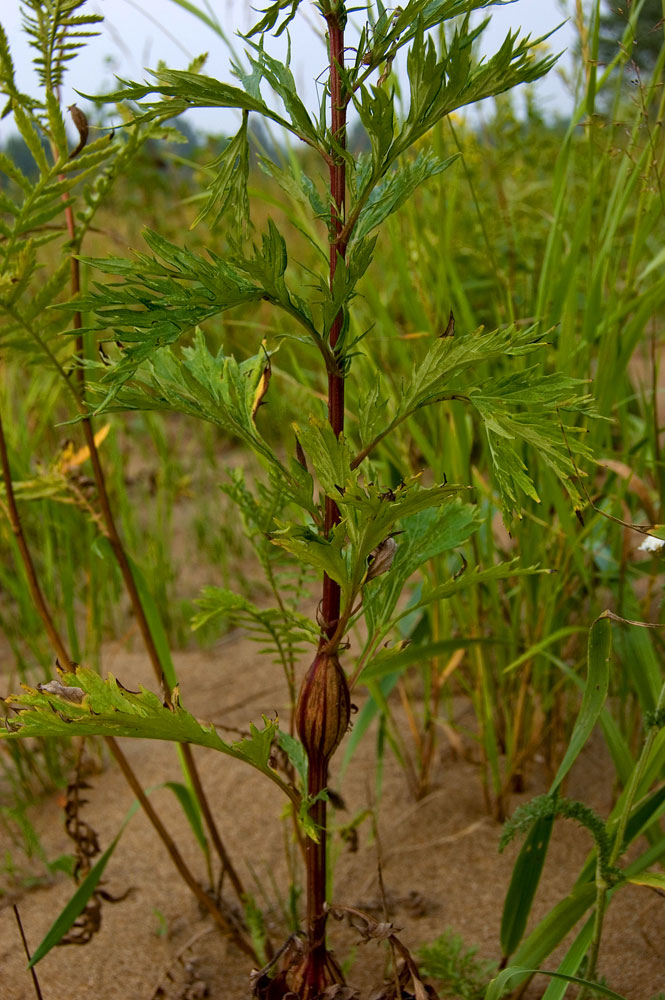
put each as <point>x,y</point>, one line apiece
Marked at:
<point>106,708</point>
<point>228,190</point>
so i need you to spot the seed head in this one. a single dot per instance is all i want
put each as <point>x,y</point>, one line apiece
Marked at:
<point>324,706</point>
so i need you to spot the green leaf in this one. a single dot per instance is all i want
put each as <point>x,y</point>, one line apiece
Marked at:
<point>105,708</point>
<point>31,138</point>
<point>282,83</point>
<point>271,14</point>
<point>10,169</point>
<point>296,753</point>
<point>348,273</point>
<point>215,388</point>
<point>79,900</point>
<point>396,189</point>
<point>324,554</point>
<point>521,408</point>
<point>328,453</point>
<point>524,883</point>
<point>56,124</point>
<point>598,677</point>
<point>538,426</point>
<point>160,298</point>
<point>305,820</point>
<point>279,626</point>
<point>57,33</point>
<point>440,86</point>
<point>183,90</point>
<point>372,512</point>
<point>498,986</point>
<point>653,880</point>
<point>191,810</point>
<point>426,534</point>
<point>228,190</point>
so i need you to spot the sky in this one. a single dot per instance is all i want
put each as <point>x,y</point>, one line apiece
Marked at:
<point>137,33</point>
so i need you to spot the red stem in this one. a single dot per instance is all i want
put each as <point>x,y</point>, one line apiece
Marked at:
<point>318,965</point>
<point>331,591</point>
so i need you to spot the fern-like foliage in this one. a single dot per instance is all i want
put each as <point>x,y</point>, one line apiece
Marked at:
<point>459,973</point>
<point>32,207</point>
<point>58,31</point>
<point>284,631</point>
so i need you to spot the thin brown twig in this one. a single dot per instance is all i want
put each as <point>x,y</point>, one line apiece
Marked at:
<point>36,592</point>
<point>202,896</point>
<point>63,656</point>
<point>118,549</point>
<point>35,981</point>
<point>382,893</point>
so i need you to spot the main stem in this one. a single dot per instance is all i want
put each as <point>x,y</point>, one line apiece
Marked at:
<point>330,604</point>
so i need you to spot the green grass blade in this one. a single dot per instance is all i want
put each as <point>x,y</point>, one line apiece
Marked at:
<point>496,988</point>
<point>78,902</point>
<point>571,963</point>
<point>523,884</point>
<point>388,665</point>
<point>191,810</point>
<point>551,931</point>
<point>538,647</point>
<point>595,693</point>
<point>364,719</point>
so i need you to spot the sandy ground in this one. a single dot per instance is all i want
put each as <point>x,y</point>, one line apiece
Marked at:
<point>440,862</point>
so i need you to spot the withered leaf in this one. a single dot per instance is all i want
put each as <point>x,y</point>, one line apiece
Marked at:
<point>74,694</point>
<point>81,123</point>
<point>381,558</point>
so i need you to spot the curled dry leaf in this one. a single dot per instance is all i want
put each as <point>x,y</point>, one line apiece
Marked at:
<point>81,123</point>
<point>381,558</point>
<point>74,694</point>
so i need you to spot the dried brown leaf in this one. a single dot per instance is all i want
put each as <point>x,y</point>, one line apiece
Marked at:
<point>74,694</point>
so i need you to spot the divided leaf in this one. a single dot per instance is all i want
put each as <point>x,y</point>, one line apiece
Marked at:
<point>228,190</point>
<point>521,408</point>
<point>278,627</point>
<point>83,704</point>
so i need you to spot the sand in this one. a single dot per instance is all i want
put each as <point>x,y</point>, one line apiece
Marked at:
<point>439,856</point>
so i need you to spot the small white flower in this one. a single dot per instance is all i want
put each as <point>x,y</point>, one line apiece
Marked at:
<point>652,544</point>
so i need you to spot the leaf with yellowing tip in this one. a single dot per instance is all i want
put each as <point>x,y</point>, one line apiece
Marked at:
<point>653,880</point>
<point>261,389</point>
<point>70,459</point>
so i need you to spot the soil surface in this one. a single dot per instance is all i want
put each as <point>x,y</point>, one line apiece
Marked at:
<point>440,863</point>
